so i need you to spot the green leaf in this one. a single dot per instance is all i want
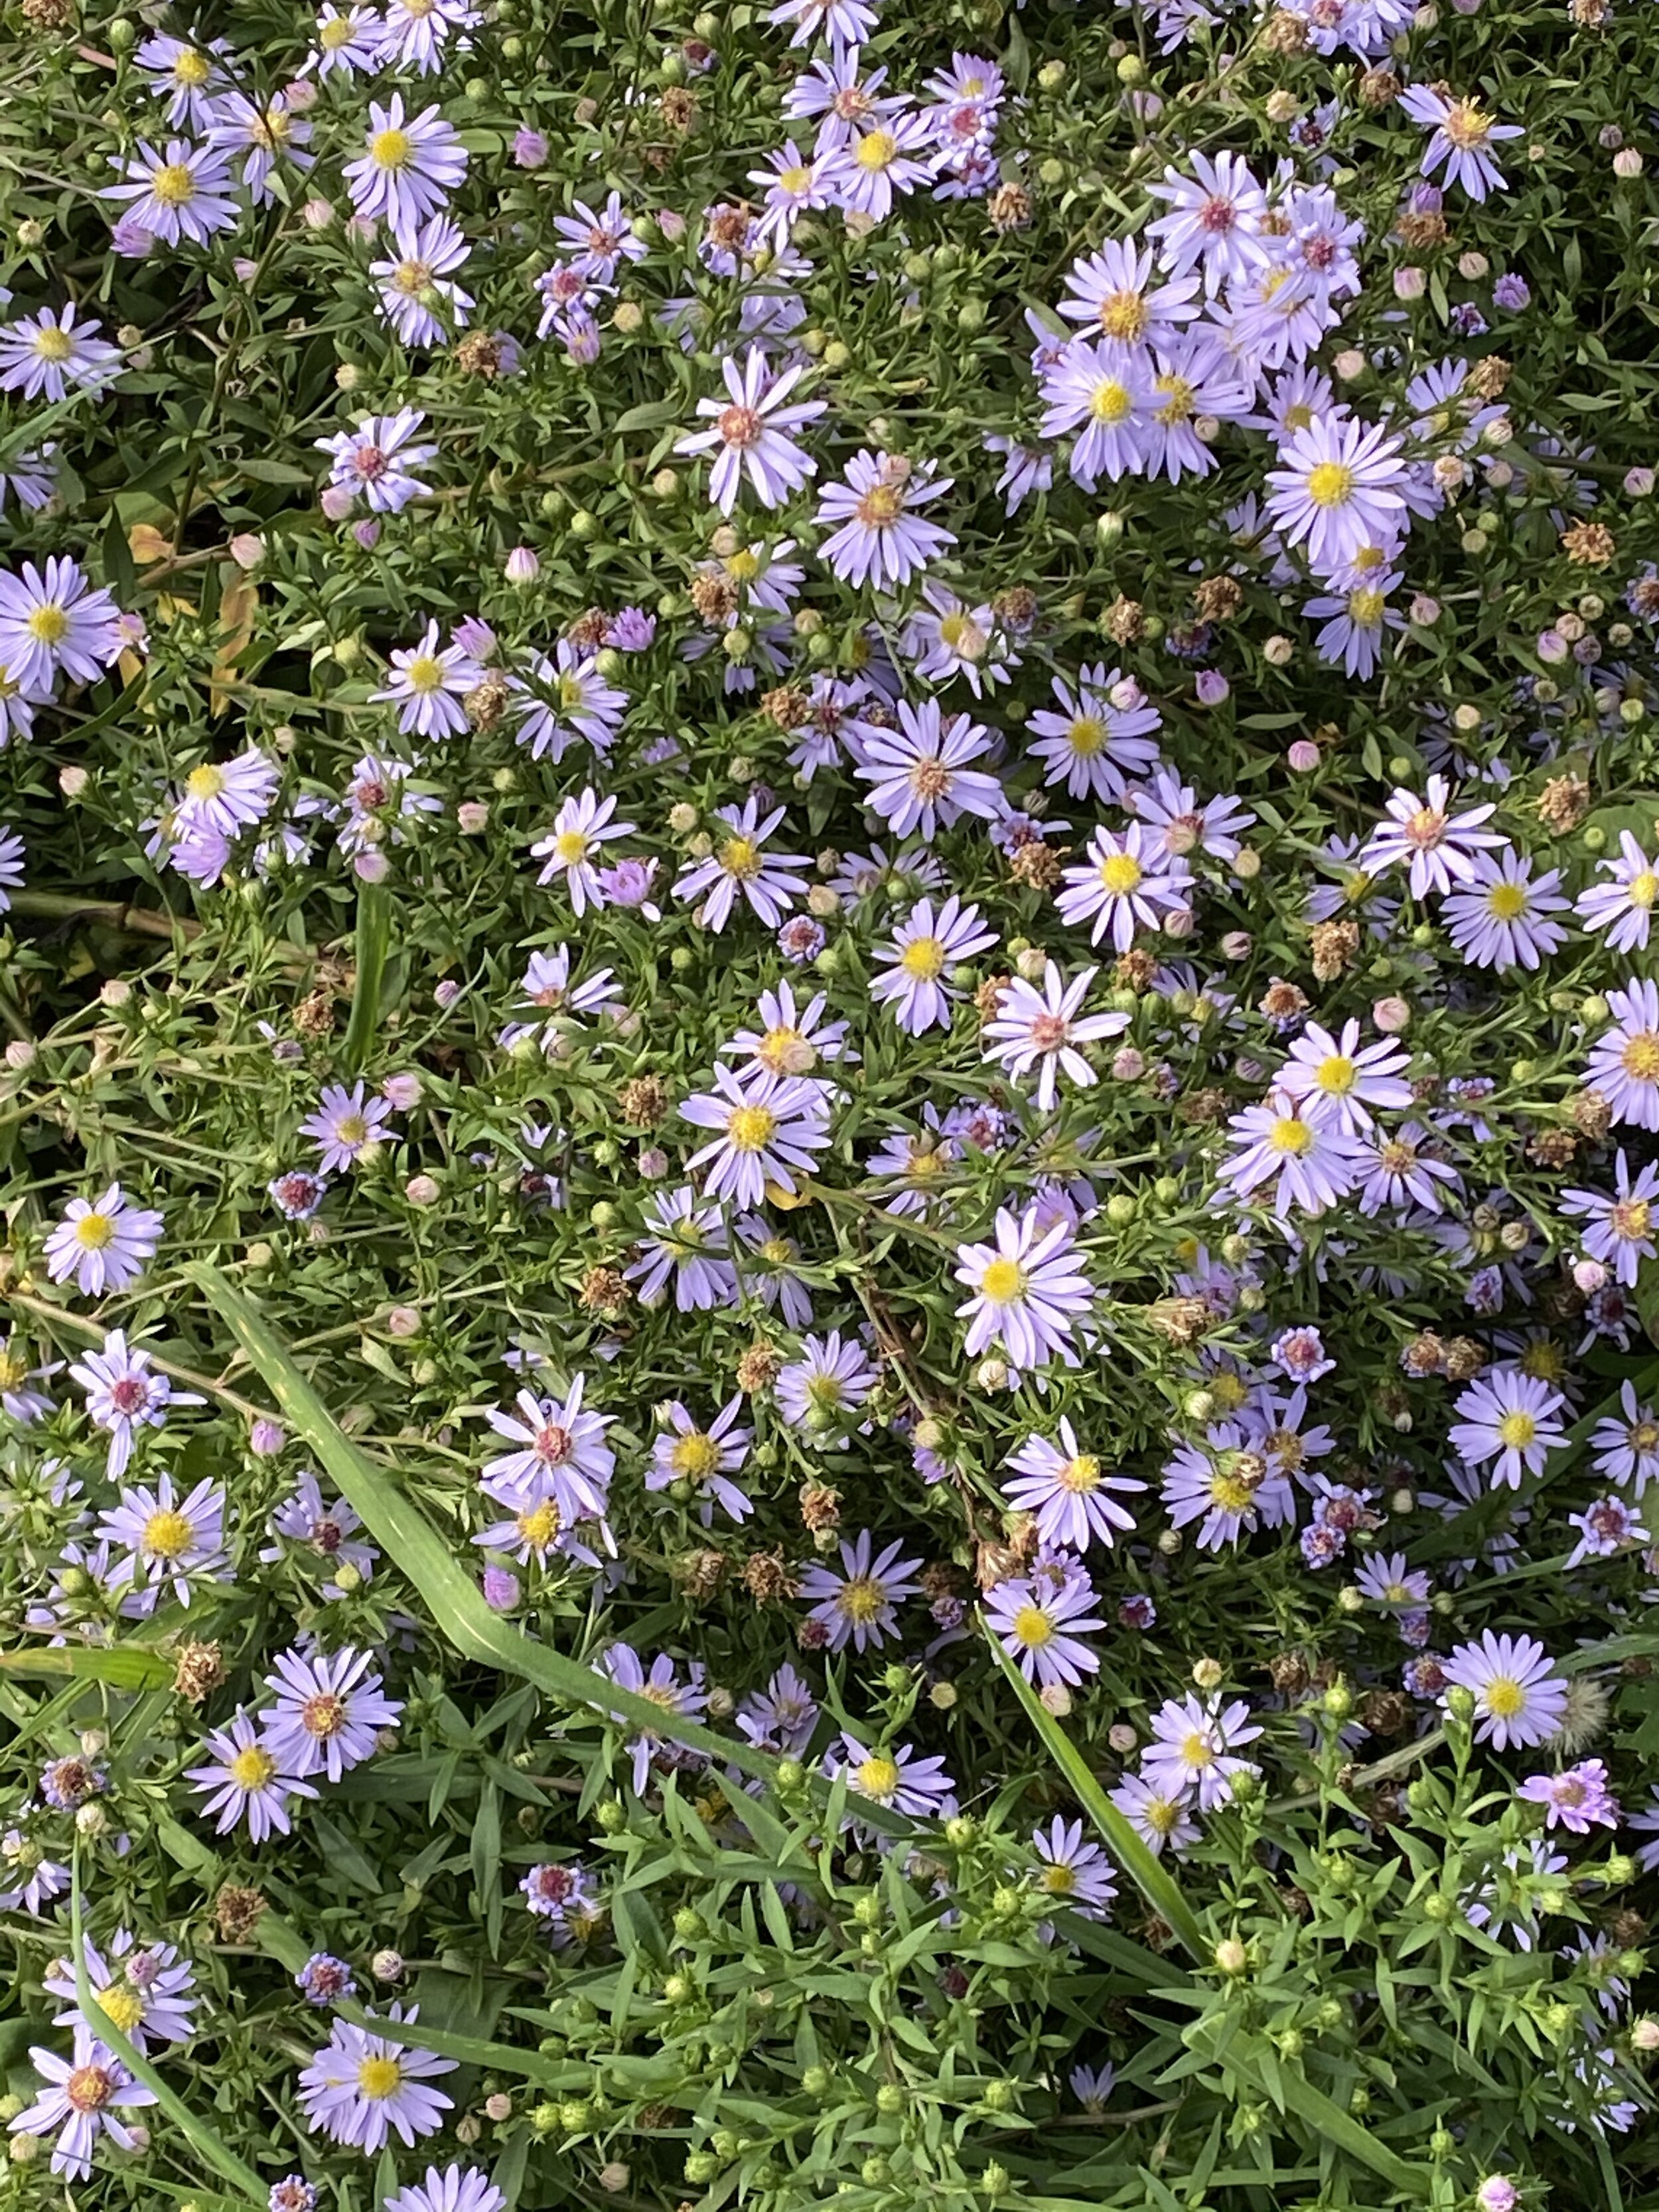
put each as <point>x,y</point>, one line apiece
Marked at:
<point>124,1667</point>
<point>374,942</point>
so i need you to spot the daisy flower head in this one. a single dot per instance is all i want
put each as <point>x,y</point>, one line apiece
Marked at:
<point>1624,1063</point>
<point>408,168</point>
<point>377,460</point>
<point>1336,491</point>
<point>1350,1078</point>
<point>362,2088</point>
<point>926,943</point>
<point>1577,1799</point>
<point>1068,1491</point>
<point>1355,621</point>
<point>329,1713</point>
<point>102,1244</point>
<point>791,1040</point>
<point>659,1685</point>
<point>142,1989</point>
<point>581,828</point>
<point>180,194</point>
<point>1101,737</point>
<point>226,797</point>
<point>770,1129</point>
<point>327,1529</point>
<point>892,153</point>
<point>1026,1290</point>
<point>1112,294</point>
<point>703,1460</point>
<point>1462,136</point>
<point>1044,1028</point>
<point>946,638</point>
<point>1511,1419</point>
<point>1214,222</point>
<point>1128,881</point>
<point>416,32</point>
<point>1519,1699</point>
<point>559,1453</point>
<point>857,1602</point>
<point>1105,394</point>
<point>81,2099</point>
<point>752,433</point>
<point>48,354</point>
<point>683,1238</point>
<point>241,1781</point>
<point>1621,1222</point>
<point>840,24</point>
<point>919,773</point>
<point>1041,1621</point>
<point>1073,1873</point>
<point>1160,1811</point>
<point>414,280</point>
<point>1439,847</point>
<point>1625,1445</point>
<point>346,1125</point>
<point>599,241</point>
<point>188,76</point>
<point>1194,1749</point>
<point>1622,903</point>
<point>881,537</point>
<point>1502,916</point>
<point>428,684</point>
<point>1228,1485</point>
<point>830,1381</point>
<point>1300,1146</point>
<point>124,1395</point>
<point>449,2189</point>
<point>55,622</point>
<point>348,41</point>
<point>563,698</point>
<point>897,1777</point>
<point>739,863</point>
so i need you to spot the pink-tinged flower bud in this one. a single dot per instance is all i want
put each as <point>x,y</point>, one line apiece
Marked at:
<point>1351,364</point>
<point>1627,163</point>
<point>472,817</point>
<point>366,533</point>
<point>1303,758</point>
<point>371,867</point>
<point>337,502</point>
<point>1553,648</point>
<point>671,223</point>
<point>247,549</point>
<point>403,1322</point>
<point>1589,1275</point>
<point>1497,2193</point>
<point>1410,283</point>
<point>387,1966</point>
<point>402,1091</point>
<point>246,271</point>
<point>266,1438</point>
<point>1392,1016</point>
<point>1178,921</point>
<point>1638,484</point>
<point>1236,944</point>
<point>530,148</point>
<point>421,1190</point>
<point>499,2106</point>
<point>1644,2035</point>
<point>299,95</point>
<point>1212,687</point>
<point>1424,612</point>
<point>523,566</point>
<point>1278,652</point>
<point>73,781</point>
<point>317,214</point>
<point>446,993</point>
<point>1128,1065</point>
<point>653,1164</point>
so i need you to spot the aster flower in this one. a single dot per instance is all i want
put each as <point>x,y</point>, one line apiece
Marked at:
<point>881,537</point>
<point>1621,1222</point>
<point>377,460</point>
<point>859,1603</point>
<point>1214,223</point>
<point>1462,133</point>
<point>327,1529</point>
<point>1026,1291</point>
<point>1300,1144</point>
<point>449,2189</point>
<point>830,1381</point>
<point>946,638</point>
<point>1576,1799</point>
<point>1228,1485</point>
<point>919,775</point>
<point>265,134</point>
<point>81,2099</point>
<point>660,1687</point>
<point>124,1395</point>
<point>1622,903</point>
<point>347,43</point>
<point>1105,394</point>
<point>1044,1028</point>
<point>242,1781</point>
<point>1195,1748</point>
<point>791,1040</point>
<point>330,1709</point>
<point>1511,1419</point>
<point>704,1460</point>
<point>1160,1814</point>
<point>754,432</point>
<point>892,153</point>
<point>561,1454</point>
<point>581,828</point>
<point>552,1891</point>
<point>1502,919</point>
<point>1336,491</point>
<point>924,945</point>
<point>142,1989</point>
<point>1440,847</point>
<point>898,1778</point>
<point>362,2088</point>
<point>181,194</point>
<point>1355,621</point>
<point>1519,1699</point>
<point>187,75</point>
<point>598,243</point>
<point>417,276</point>
<point>1128,881</point>
<point>226,797</point>
<point>1040,1621</point>
<point>1388,1580</point>
<point>49,354</point>
<point>566,697</point>
<point>686,1238</point>
<point>1625,1446</point>
<point>417,32</point>
<point>325,1980</point>
<point>346,1125</point>
<point>1101,737</point>
<point>1073,1873</point>
<point>104,1244</point>
<point>1400,1169</point>
<point>739,863</point>
<point>1350,1079</point>
<point>770,1127</point>
<point>1112,294</point>
<point>1604,1528</point>
<point>55,622</point>
<point>408,168</point>
<point>1072,1497</point>
<point>428,685</point>
<point>19,1398</point>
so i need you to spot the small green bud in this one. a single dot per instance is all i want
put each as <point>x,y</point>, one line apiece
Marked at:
<point>1120,1209</point>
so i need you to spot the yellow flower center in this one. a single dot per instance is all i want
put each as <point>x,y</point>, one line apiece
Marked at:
<point>795,180</point>
<point>167,1535</point>
<point>1196,1750</point>
<point>425,673</point>
<point>1336,1074</point>
<point>1059,1880</point>
<point>1003,1281</point>
<point>192,69</point>
<point>252,1768</point>
<point>1506,902</point>
<point>1123,316</point>
<point>740,857</point>
<point>1642,890</point>
<point>174,184</point>
<point>52,344</point>
<point>353,1129</point>
<point>743,567</point>
<point>1329,484</point>
<point>378,2078</point>
<point>782,1047</point>
<point>923,957</point>
<point>881,505</point>
<point>48,624</point>
<point>1467,124</point>
<point>1631,1218</point>
<point>1080,1475</point>
<point>1033,1628</point>
<point>1119,872</point>
<point>125,2007</point>
<point>1161,1815</point>
<point>1291,1134</point>
<point>1180,399</point>
<point>862,1599</point>
<point>1640,1057</point>
<point>1516,1430</point>
<point>540,1526</point>
<point>1110,401</point>
<point>875,150</point>
<point>751,1128</point>
<point>695,1457</point>
<point>390,150</point>
<point>1365,608</point>
<point>878,1778</point>
<point>334,34</point>
<point>95,1232</point>
<point>1504,1697</point>
<point>1231,1494</point>
<point>206,781</point>
<point>570,846</point>
<point>1086,736</point>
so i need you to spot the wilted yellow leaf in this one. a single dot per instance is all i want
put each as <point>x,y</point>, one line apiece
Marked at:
<point>146,543</point>
<point>237,609</point>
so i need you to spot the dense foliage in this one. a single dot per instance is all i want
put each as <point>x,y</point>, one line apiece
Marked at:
<point>829,1130</point>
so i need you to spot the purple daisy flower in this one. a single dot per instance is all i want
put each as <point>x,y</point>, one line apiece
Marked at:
<point>753,431</point>
<point>328,1714</point>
